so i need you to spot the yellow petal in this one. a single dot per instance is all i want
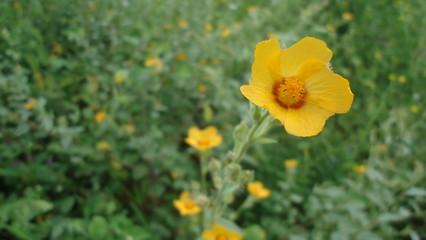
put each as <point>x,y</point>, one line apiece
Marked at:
<point>264,98</point>
<point>329,91</point>
<point>306,121</point>
<point>266,65</point>
<point>308,48</point>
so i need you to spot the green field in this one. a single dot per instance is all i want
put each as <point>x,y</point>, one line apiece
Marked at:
<point>97,98</point>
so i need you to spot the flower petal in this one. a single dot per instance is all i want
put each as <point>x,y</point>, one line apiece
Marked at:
<point>308,48</point>
<point>306,121</point>
<point>266,66</point>
<point>329,91</point>
<point>265,99</point>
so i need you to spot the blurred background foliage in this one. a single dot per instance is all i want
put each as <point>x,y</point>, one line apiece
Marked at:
<point>97,96</point>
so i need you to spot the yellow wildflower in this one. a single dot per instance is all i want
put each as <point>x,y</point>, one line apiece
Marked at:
<point>415,108</point>
<point>201,88</point>
<point>183,24</point>
<point>181,56</point>
<point>290,163</point>
<point>402,79</point>
<point>155,62</point>
<point>237,25</point>
<point>203,139</point>
<point>57,49</point>
<point>16,5</point>
<point>118,79</point>
<point>256,188</point>
<point>392,76</point>
<point>167,26</point>
<point>297,86</point>
<point>216,61</point>
<point>129,128</point>
<point>225,33</point>
<point>186,206</point>
<point>39,79</point>
<point>219,232</point>
<point>103,145</point>
<point>30,104</point>
<point>100,116</point>
<point>208,27</point>
<point>251,9</point>
<point>347,16</point>
<point>360,169</point>
<point>330,27</point>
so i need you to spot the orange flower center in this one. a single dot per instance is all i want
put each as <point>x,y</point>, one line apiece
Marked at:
<point>203,142</point>
<point>221,237</point>
<point>289,92</point>
<point>189,205</point>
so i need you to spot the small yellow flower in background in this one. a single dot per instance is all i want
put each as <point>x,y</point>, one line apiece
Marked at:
<point>383,148</point>
<point>225,33</point>
<point>119,79</point>
<point>216,61</point>
<point>100,116</point>
<point>120,76</point>
<point>219,232</point>
<point>57,48</point>
<point>330,27</point>
<point>208,27</point>
<point>103,145</point>
<point>167,26</point>
<point>256,188</point>
<point>39,79</point>
<point>360,169</point>
<point>402,79</point>
<point>173,175</point>
<point>290,163</point>
<point>109,11</point>
<point>16,5</point>
<point>185,205</point>
<point>183,24</point>
<point>415,108</point>
<point>347,16</point>
<point>30,104</point>
<point>203,139</point>
<point>181,56</point>
<point>297,86</point>
<point>251,9</point>
<point>154,62</point>
<point>236,25</point>
<point>378,54</point>
<point>129,128</point>
<point>392,76</point>
<point>201,88</point>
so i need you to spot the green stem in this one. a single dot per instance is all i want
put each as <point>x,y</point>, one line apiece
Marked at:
<point>249,138</point>
<point>204,155</point>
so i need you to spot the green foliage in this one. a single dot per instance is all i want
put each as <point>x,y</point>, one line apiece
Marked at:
<point>61,62</point>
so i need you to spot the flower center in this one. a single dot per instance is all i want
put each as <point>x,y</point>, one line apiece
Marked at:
<point>203,142</point>
<point>289,92</point>
<point>189,205</point>
<point>221,237</point>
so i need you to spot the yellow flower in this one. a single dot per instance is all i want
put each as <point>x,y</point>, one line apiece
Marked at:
<point>208,27</point>
<point>186,206</point>
<point>216,61</point>
<point>103,145</point>
<point>256,188</point>
<point>118,79</point>
<point>402,79</point>
<point>251,9</point>
<point>203,139</point>
<point>181,56</point>
<point>202,88</point>
<point>16,5</point>
<point>290,163</point>
<point>154,62</point>
<point>225,33</point>
<point>330,27</point>
<point>100,116</point>
<point>360,169</point>
<point>415,108</point>
<point>30,104</point>
<point>129,128</point>
<point>167,26</point>
<point>347,16</point>
<point>218,232</point>
<point>392,76</point>
<point>57,49</point>
<point>297,86</point>
<point>183,24</point>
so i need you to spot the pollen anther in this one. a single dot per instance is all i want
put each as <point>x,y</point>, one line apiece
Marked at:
<point>289,92</point>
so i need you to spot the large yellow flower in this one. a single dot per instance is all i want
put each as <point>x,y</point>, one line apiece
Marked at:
<point>218,232</point>
<point>185,205</point>
<point>297,86</point>
<point>203,139</point>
